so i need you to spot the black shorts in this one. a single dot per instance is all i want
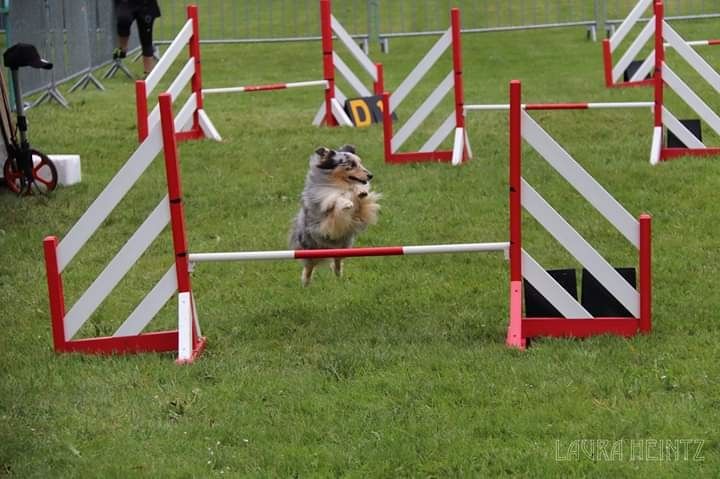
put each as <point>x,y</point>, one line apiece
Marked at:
<point>142,12</point>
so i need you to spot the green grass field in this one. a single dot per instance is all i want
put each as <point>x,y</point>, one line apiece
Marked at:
<point>399,369</point>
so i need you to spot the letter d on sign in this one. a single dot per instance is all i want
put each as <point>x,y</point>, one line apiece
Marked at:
<point>359,112</point>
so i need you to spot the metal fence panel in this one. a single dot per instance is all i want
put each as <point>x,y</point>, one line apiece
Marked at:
<point>617,10</point>
<point>273,20</point>
<point>258,20</point>
<point>77,45</point>
<point>56,38</point>
<point>76,34</point>
<point>101,17</point>
<point>245,20</point>
<point>29,25</point>
<point>402,17</point>
<point>73,34</point>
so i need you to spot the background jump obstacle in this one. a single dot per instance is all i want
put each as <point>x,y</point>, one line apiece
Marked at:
<point>574,320</point>
<point>332,112</point>
<point>456,121</point>
<point>666,76</point>
<point>200,125</point>
<point>129,337</point>
<point>629,72</point>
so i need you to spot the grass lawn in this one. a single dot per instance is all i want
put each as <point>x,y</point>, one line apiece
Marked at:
<point>399,369</point>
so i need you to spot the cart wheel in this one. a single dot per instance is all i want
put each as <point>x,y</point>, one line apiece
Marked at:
<point>44,174</point>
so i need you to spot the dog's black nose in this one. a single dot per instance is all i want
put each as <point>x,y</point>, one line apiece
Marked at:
<point>370,176</point>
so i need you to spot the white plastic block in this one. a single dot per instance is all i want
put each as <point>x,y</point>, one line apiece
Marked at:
<point>68,168</point>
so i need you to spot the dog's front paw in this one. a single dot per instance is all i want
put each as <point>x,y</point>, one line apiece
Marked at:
<point>362,191</point>
<point>345,204</point>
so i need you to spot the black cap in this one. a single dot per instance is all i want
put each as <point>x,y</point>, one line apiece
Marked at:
<point>24,55</point>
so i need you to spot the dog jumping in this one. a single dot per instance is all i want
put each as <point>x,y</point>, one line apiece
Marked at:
<point>336,205</point>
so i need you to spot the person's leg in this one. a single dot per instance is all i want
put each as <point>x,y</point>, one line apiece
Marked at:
<point>145,28</point>
<point>124,20</point>
<point>148,63</point>
<point>123,44</point>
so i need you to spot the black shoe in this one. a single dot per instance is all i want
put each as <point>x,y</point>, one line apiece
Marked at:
<point>119,53</point>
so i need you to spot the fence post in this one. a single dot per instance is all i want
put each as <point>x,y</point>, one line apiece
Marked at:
<point>601,17</point>
<point>373,18</point>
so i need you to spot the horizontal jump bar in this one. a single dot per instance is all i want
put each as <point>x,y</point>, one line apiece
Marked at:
<point>563,106</point>
<point>349,252</point>
<point>268,87</point>
<point>699,43</point>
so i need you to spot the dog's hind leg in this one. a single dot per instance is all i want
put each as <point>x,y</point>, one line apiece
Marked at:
<point>307,272</point>
<point>336,266</point>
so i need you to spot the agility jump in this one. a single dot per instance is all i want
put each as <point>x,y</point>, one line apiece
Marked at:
<point>575,319</point>
<point>664,77</point>
<point>201,127</point>
<point>628,72</point>
<point>129,337</point>
<point>331,112</point>
<point>665,80</point>
<point>454,122</point>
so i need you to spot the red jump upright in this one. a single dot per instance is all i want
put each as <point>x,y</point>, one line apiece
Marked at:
<point>331,112</point>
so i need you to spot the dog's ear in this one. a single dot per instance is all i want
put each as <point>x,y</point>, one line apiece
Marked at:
<point>322,152</point>
<point>348,149</point>
<point>328,161</point>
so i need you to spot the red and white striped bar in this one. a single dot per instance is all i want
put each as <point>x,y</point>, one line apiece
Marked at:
<point>563,106</point>
<point>699,43</point>
<point>349,252</point>
<point>267,87</point>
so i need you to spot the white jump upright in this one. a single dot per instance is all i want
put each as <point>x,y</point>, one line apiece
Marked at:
<point>332,112</point>
<point>615,71</point>
<point>575,319</point>
<point>455,122</point>
<point>665,81</point>
<point>129,337</point>
<point>199,125</point>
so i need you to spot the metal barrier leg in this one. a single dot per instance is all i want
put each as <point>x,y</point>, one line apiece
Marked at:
<point>592,32</point>
<point>49,95</point>
<point>118,65</point>
<point>85,80</point>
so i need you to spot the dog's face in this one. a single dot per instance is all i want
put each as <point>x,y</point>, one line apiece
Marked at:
<point>343,165</point>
